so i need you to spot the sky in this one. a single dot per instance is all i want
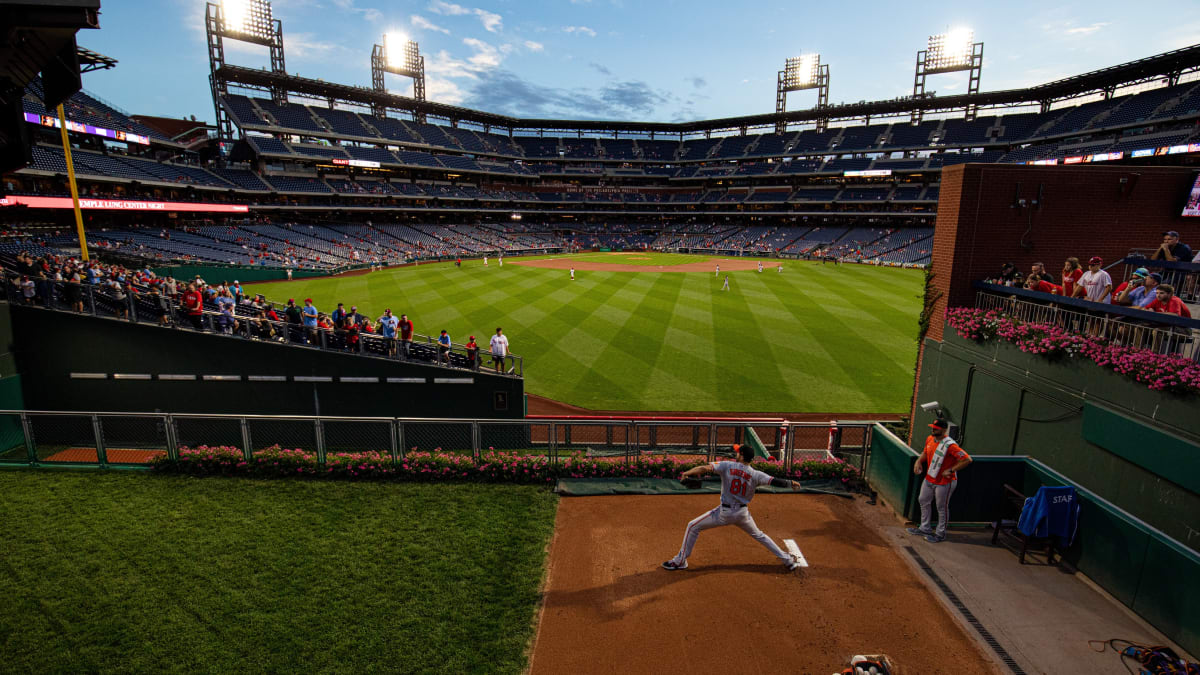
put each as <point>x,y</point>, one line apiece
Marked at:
<point>647,60</point>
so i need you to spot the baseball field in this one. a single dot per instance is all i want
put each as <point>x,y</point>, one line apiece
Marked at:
<point>655,331</point>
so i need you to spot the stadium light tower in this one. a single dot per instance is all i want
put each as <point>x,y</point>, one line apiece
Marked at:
<point>950,52</point>
<point>400,56</point>
<point>245,21</point>
<point>801,72</point>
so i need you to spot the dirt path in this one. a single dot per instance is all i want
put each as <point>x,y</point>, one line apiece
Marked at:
<point>610,608</point>
<point>727,265</point>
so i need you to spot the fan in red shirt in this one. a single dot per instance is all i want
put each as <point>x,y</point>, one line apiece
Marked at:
<point>193,304</point>
<point>1070,274</point>
<point>1043,286</point>
<point>1166,302</point>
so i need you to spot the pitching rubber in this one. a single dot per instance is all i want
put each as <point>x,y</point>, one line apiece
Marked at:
<point>790,545</point>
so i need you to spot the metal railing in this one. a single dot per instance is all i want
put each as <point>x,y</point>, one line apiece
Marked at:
<point>118,439</point>
<point>1122,326</point>
<point>1183,275</point>
<point>165,312</point>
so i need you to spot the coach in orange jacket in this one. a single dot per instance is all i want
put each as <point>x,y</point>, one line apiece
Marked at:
<point>941,461</point>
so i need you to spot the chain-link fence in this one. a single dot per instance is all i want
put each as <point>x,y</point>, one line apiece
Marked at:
<point>46,437</point>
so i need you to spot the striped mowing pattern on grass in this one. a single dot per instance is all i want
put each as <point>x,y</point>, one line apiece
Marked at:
<point>117,572</point>
<point>815,338</point>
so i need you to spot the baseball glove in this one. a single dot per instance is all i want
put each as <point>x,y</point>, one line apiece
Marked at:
<point>691,483</point>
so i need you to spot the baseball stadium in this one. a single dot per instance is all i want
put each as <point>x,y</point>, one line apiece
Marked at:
<point>382,377</point>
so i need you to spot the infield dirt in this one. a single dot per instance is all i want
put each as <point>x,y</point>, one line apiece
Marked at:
<point>727,265</point>
<point>609,607</point>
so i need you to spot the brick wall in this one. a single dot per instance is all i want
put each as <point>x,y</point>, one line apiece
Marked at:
<point>1084,211</point>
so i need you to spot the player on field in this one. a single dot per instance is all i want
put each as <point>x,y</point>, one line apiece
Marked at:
<point>738,480</point>
<point>760,266</point>
<point>726,286</point>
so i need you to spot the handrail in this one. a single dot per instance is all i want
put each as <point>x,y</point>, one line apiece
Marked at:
<point>1087,306</point>
<point>428,352</point>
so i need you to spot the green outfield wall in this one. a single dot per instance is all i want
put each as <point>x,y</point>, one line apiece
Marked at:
<point>1137,448</point>
<point>299,381</point>
<point>1150,572</point>
<point>242,273</point>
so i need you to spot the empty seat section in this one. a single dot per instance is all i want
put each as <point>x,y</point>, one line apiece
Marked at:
<point>855,138</point>
<point>772,144</point>
<point>393,129</point>
<point>344,122</point>
<point>537,146</point>
<point>294,184</point>
<point>961,132</point>
<point>290,115</point>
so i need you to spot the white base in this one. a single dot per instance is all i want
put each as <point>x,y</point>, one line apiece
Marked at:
<point>790,545</point>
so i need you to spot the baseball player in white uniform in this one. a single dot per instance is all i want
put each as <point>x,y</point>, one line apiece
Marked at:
<point>718,272</point>
<point>738,480</point>
<point>572,274</point>
<point>726,286</point>
<point>760,267</point>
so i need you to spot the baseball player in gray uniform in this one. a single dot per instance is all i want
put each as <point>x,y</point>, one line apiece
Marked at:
<point>738,481</point>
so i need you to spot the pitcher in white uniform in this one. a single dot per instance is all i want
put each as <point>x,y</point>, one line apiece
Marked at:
<point>738,480</point>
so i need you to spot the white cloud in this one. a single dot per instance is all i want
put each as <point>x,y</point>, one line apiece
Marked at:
<point>485,57</point>
<point>582,30</point>
<point>443,91</point>
<point>421,22</point>
<point>447,8</point>
<point>534,46</point>
<point>369,13</point>
<point>1085,30</point>
<point>491,22</point>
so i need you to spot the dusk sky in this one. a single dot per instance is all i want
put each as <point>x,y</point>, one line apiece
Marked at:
<point>627,60</point>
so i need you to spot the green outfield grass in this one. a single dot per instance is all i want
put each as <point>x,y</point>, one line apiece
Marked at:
<point>816,338</point>
<point>135,573</point>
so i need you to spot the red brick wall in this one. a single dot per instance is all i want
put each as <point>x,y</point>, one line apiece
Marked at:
<point>1085,211</point>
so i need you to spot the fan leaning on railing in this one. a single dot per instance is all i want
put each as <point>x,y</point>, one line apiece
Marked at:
<point>141,303</point>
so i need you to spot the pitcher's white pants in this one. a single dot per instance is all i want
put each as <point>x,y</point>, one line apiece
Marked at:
<point>721,516</point>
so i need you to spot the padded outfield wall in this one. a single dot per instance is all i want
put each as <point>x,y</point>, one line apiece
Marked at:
<point>49,346</point>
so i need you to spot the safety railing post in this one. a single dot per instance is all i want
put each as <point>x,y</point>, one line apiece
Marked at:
<point>130,307</point>
<point>91,300</point>
<point>475,454</point>
<point>27,430</point>
<point>712,442</point>
<point>247,449</point>
<point>552,446</point>
<point>393,434</point>
<point>319,432</point>
<point>98,432</point>
<point>400,439</point>
<point>172,440</point>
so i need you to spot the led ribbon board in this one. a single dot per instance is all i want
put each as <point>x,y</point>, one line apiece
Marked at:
<point>119,205</point>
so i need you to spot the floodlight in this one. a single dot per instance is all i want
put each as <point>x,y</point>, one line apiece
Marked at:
<point>236,13</point>
<point>951,49</point>
<point>802,71</point>
<point>393,48</point>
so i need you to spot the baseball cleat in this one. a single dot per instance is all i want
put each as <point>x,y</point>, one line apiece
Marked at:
<point>793,564</point>
<point>918,531</point>
<point>674,566</point>
<point>935,538</point>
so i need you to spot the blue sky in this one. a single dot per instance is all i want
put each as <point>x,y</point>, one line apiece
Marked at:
<point>623,59</point>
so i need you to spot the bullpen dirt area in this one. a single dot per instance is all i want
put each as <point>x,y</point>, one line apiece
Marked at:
<point>727,265</point>
<point>609,607</point>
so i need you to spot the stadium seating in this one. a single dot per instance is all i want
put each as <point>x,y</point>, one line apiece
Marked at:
<point>343,122</point>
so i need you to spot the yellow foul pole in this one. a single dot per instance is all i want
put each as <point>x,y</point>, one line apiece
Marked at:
<point>66,144</point>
